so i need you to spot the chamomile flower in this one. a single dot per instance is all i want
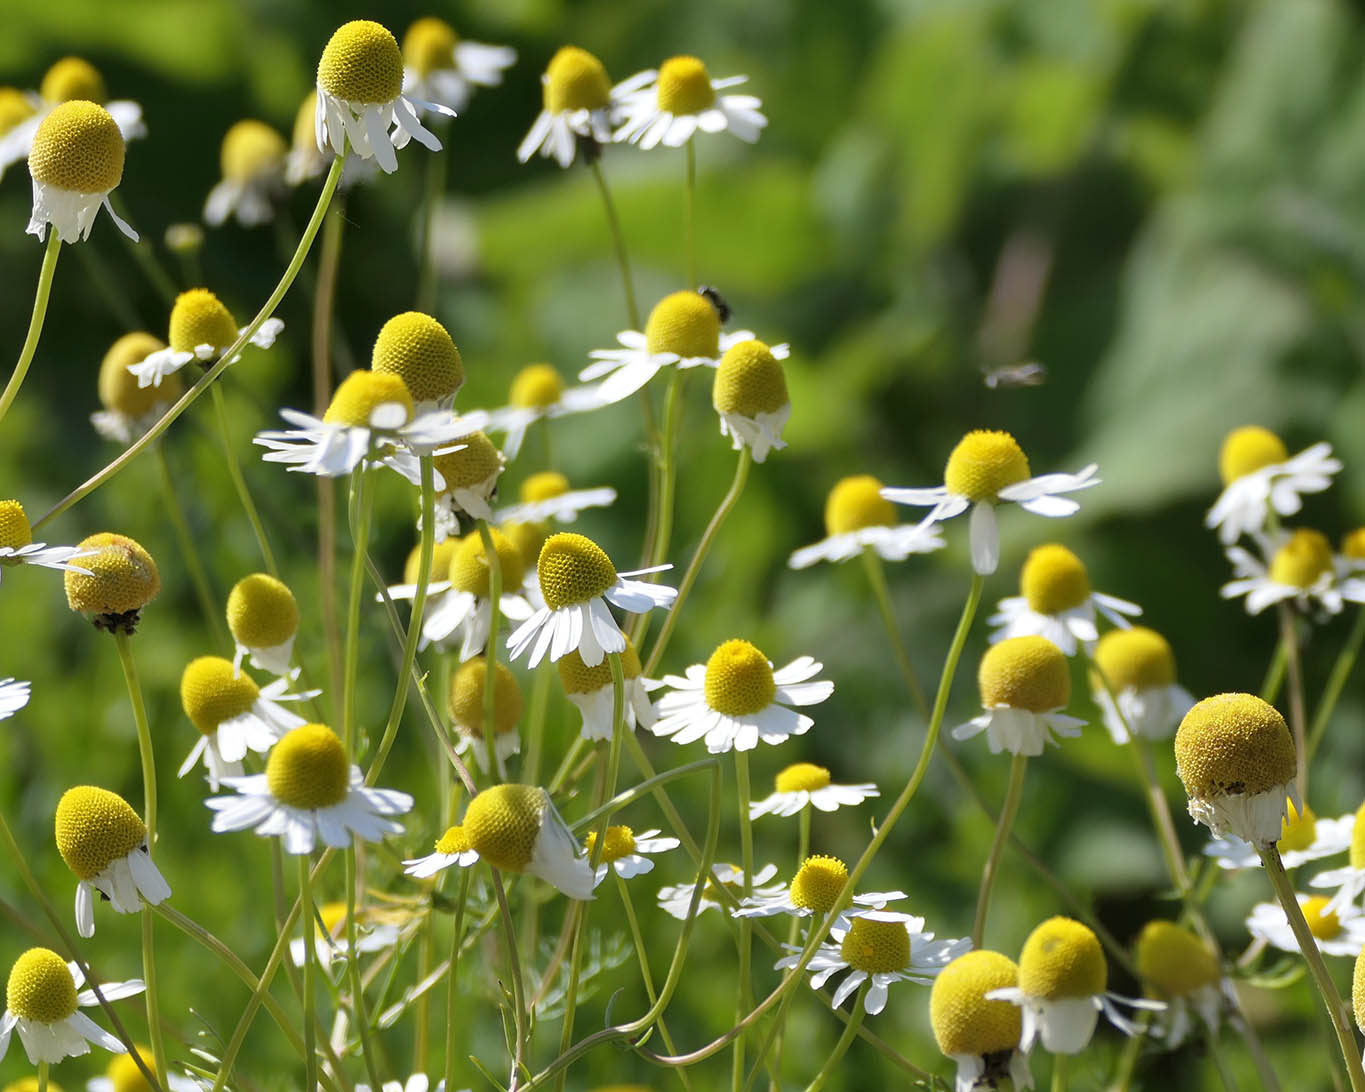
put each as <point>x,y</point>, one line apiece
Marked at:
<point>577,580</point>
<point>1302,571</point>
<point>104,842</point>
<point>1350,880</point>
<point>130,409</point>
<point>813,891</point>
<point>361,103</point>
<point>263,618</point>
<point>452,849</point>
<point>675,899</point>
<point>14,695</point>
<point>858,518</point>
<point>117,578</point>
<point>202,329</point>
<point>1025,683</point>
<point>466,479</point>
<point>626,852</point>
<point>882,946</point>
<point>233,715</point>
<point>123,1075</point>
<point>1259,477</point>
<point>1139,667</point>
<point>437,584</point>
<point>580,105</point>
<point>683,330</point>
<point>537,393</point>
<point>309,792</point>
<point>750,395</point>
<point>804,783</point>
<point>76,161</point>
<point>1351,557</point>
<point>439,66</point>
<point>18,548</point>
<point>980,1035</point>
<point>466,704</point>
<point>465,609</point>
<point>546,496</point>
<point>736,698</point>
<point>989,468</point>
<point>1338,932</point>
<point>1176,967</point>
<point>306,160</point>
<point>1057,602</point>
<point>43,1003</point>
<point>252,161</point>
<point>516,828</point>
<point>593,693</point>
<point>666,106</point>
<point>1303,838</point>
<point>419,350</point>
<point>330,944</point>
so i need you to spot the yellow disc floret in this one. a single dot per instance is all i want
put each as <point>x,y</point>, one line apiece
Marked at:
<point>818,883</point>
<point>575,80</point>
<point>441,554</point>
<point>473,465</point>
<point>362,64</point>
<point>1025,673</point>
<point>78,148</point>
<point>856,502</point>
<point>983,463</point>
<point>1353,544</point>
<point>361,393</point>
<point>1297,831</point>
<point>503,823</point>
<point>684,323</point>
<point>1054,580</point>
<point>469,570</point>
<point>573,569</point>
<point>211,691</point>
<point>528,539</point>
<point>1322,923</point>
<point>1357,856</point>
<point>14,108</point>
<point>1138,657</point>
<point>1302,560</point>
<point>124,1075</point>
<point>876,947</point>
<point>1233,744</point>
<point>251,149</point>
<point>579,678</point>
<point>802,777</point>
<point>1062,959</point>
<point>307,769</point>
<point>41,988</point>
<point>749,381</point>
<point>543,486</point>
<point>30,1084</point>
<point>200,318</point>
<point>684,86</point>
<point>72,78</point>
<point>739,680</point>
<point>619,842</point>
<point>15,530</point>
<point>535,387</point>
<point>262,612</point>
<point>467,698</point>
<point>429,46</point>
<point>454,841</point>
<point>419,350</point>
<point>1173,961</point>
<point>95,828</point>
<point>964,1022</point>
<point>118,389</point>
<point>121,577</point>
<point>1248,449</point>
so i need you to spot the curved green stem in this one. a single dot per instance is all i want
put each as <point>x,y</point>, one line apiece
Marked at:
<point>1013,793</point>
<point>1336,682</point>
<point>35,323</point>
<point>744,999</point>
<point>234,470</point>
<point>845,1041</point>
<point>310,1054</point>
<point>453,975</point>
<point>876,576</point>
<point>362,505</point>
<point>1274,674</point>
<point>1298,717</point>
<point>618,242</point>
<point>509,934</point>
<point>358,1013</point>
<point>213,616</point>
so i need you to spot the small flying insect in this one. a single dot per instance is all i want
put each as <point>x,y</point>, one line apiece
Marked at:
<point>717,301</point>
<point>1028,373</point>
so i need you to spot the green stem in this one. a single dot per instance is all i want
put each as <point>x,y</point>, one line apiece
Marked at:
<point>362,503</point>
<point>509,934</point>
<point>43,1066</point>
<point>668,476</point>
<point>153,1001</point>
<point>213,616</point>
<point>1059,1066</point>
<point>35,322</point>
<point>490,688</point>
<point>310,1055</point>
<point>1216,1058</point>
<point>876,576</point>
<point>845,1041</point>
<point>1336,682</point>
<point>234,470</point>
<point>1274,674</point>
<point>690,213</point>
<point>744,1000</point>
<point>358,1013</point>
<point>144,736</point>
<point>431,195</point>
<point>618,242</point>
<point>453,1001</point>
<point>1298,717</point>
<point>535,722</point>
<point>1013,793</point>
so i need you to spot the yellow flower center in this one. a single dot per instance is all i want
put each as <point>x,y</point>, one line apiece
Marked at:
<point>469,570</point>
<point>1357,857</point>
<point>1232,745</point>
<point>619,842</point>
<point>78,148</point>
<point>1062,959</point>
<point>333,915</point>
<point>983,463</point>
<point>1297,831</point>
<point>503,823</point>
<point>304,137</point>
<point>855,503</point>
<point>1322,923</point>
<point>124,1075</point>
<point>535,387</point>
<point>14,108</point>
<point>118,389</point>
<point>964,1022</point>
<point>251,149</point>
<point>30,1084</point>
<point>527,537</point>
<point>684,86</point>
<point>543,486</point>
<point>818,883</point>
<point>1353,544</point>
<point>262,612</point>
<point>685,323</point>
<point>575,80</point>
<point>454,841</point>
<point>14,526</point>
<point>441,554</point>
<point>573,569</point>
<point>1302,560</point>
<point>1248,449</point>
<point>1025,673</point>
<point>739,680</point>
<point>472,465</point>
<point>307,769</point>
<point>749,381</point>
<point>877,947</point>
<point>362,64</point>
<point>419,350</point>
<point>467,696</point>
<point>802,777</point>
<point>429,46</point>
<point>361,393</point>
<point>724,891</point>
<point>41,987</point>
<point>1173,960</point>
<point>1054,580</point>
<point>199,318</point>
<point>1358,991</point>
<point>210,694</point>
<point>95,828</point>
<point>123,577</point>
<point>72,78</point>
<point>578,678</point>
<point>1138,657</point>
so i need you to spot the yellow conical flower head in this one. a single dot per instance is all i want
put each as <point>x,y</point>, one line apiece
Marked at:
<point>619,842</point>
<point>528,538</point>
<point>573,569</point>
<point>1173,961</point>
<point>440,560</point>
<point>1054,580</point>
<point>78,148</point>
<point>467,697</point>
<point>1302,560</point>
<point>15,530</point>
<point>1062,959</point>
<point>1138,657</point>
<point>818,883</point>
<point>685,323</point>
<point>546,485</point>
<point>579,678</point>
<point>211,691</point>
<point>749,381</point>
<point>251,149</point>
<point>1297,831</point>
<point>575,80</point>
<point>362,64</point>
<point>94,828</point>
<point>535,387</point>
<point>30,1084</point>
<point>14,108</point>
<point>1358,991</point>
<point>472,465</point>
<point>1353,544</point>
<point>1322,923</point>
<point>261,611</point>
<point>123,1074</point>
<point>429,46</point>
<point>876,947</point>
<point>118,389</point>
<point>856,502</point>
<point>361,393</point>
<point>802,777</point>
<point>122,576</point>
<point>72,78</point>
<point>1024,673</point>
<point>983,463</point>
<point>199,318</point>
<point>304,136</point>
<point>307,769</point>
<point>739,679</point>
<point>418,349</point>
<point>1357,857</point>
<point>684,86</point>
<point>469,564</point>
<point>1233,744</point>
<point>454,841</point>
<point>1248,449</point>
<point>503,822</point>
<point>41,987</point>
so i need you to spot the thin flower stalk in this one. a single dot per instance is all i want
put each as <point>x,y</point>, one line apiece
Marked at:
<point>1013,793</point>
<point>234,470</point>
<point>35,323</point>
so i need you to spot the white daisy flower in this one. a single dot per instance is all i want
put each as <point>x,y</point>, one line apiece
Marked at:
<point>202,329</point>
<point>1025,684</point>
<point>263,618</point>
<point>1057,602</point>
<point>1339,932</point>
<point>814,890</point>
<point>1302,570</point>
<point>306,161</point>
<point>985,469</point>
<point>466,480</point>
<point>14,695</point>
<point>466,707</point>
<point>104,842</point>
<point>1350,880</point>
<point>676,899</point>
<point>129,409</point>
<point>882,946</point>
<point>309,791</point>
<point>750,395</point>
<point>420,351</point>
<point>1351,559</point>
<point>43,1007</point>
<point>1304,838</point>
<point>330,944</point>
<point>252,159</point>
<point>18,548</point>
<point>360,97</point>
<point>668,105</point>
<point>1139,667</point>
<point>1178,969</point>
<point>441,67</point>
<point>577,579</point>
<point>465,609</point>
<point>980,1036</point>
<point>75,162</point>
<point>1259,477</point>
<point>804,783</point>
<point>593,693</point>
<point>452,848</point>
<point>546,496</point>
<point>579,105</point>
<point>858,518</point>
<point>123,1075</point>
<point>515,828</point>
<point>537,393</point>
<point>625,851</point>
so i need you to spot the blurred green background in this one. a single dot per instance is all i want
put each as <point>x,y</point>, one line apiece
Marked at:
<point>1159,200</point>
